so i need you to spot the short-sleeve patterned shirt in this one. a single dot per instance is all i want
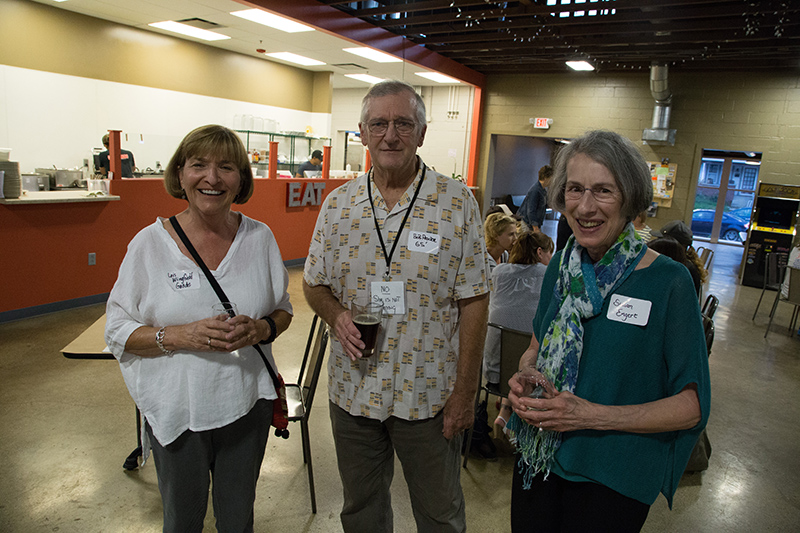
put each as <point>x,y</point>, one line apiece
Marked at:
<point>413,370</point>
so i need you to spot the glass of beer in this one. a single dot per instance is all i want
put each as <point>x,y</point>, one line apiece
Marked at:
<point>367,315</point>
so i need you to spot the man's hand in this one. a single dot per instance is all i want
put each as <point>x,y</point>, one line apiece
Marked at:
<point>459,414</point>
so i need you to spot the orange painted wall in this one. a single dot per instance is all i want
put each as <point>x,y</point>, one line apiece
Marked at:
<point>44,248</point>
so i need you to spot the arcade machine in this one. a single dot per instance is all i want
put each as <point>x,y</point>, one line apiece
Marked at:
<point>772,229</point>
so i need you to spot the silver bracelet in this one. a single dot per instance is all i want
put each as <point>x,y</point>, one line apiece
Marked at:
<point>160,342</point>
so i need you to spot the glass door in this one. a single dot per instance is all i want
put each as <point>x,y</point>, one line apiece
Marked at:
<point>725,194</point>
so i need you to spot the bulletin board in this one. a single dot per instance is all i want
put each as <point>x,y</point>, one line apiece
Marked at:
<point>663,176</point>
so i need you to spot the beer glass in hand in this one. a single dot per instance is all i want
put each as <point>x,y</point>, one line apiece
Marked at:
<point>367,315</point>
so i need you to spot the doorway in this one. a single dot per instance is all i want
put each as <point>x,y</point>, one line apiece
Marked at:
<point>723,202</point>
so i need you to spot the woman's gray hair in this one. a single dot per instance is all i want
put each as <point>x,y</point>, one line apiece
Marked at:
<point>620,156</point>
<point>392,87</point>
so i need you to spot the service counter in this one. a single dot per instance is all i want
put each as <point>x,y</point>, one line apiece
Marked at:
<point>46,245</point>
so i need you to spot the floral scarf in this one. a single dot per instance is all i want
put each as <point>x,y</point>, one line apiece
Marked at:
<point>582,287</point>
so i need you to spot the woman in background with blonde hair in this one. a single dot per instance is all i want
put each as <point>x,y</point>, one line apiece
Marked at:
<point>500,231</point>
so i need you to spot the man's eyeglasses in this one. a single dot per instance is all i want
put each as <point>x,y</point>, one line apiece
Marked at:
<point>600,193</point>
<point>401,126</point>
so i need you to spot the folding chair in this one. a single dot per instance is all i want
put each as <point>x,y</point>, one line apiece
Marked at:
<point>772,277</point>
<point>300,395</point>
<point>512,345</point>
<point>793,298</point>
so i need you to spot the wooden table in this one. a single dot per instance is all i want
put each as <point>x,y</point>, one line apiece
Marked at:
<point>91,344</point>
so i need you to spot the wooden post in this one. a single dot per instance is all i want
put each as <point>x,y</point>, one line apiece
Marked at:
<point>272,171</point>
<point>326,162</point>
<point>114,161</point>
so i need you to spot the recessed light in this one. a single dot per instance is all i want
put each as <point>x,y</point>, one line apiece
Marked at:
<point>374,55</point>
<point>191,31</point>
<point>273,21</point>
<point>296,59</point>
<point>580,65</point>
<point>366,78</point>
<point>438,78</point>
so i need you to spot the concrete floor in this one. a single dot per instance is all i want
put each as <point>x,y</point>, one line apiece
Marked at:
<point>67,426</point>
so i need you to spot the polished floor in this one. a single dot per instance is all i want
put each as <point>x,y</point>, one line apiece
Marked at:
<point>67,425</point>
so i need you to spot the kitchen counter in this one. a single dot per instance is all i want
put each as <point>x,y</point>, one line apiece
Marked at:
<point>57,197</point>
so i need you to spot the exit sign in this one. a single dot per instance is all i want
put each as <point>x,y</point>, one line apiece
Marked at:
<point>542,123</point>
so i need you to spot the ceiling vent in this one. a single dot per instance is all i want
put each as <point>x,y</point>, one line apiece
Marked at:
<point>660,133</point>
<point>349,66</point>
<point>201,23</point>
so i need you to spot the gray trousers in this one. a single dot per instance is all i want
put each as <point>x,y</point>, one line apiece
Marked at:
<point>431,464</point>
<point>232,455</point>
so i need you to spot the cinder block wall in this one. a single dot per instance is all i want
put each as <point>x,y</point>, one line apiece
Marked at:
<point>748,111</point>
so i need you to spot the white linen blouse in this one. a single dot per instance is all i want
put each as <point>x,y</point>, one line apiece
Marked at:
<point>159,286</point>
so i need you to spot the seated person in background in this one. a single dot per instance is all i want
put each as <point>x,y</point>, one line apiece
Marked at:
<point>500,231</point>
<point>314,164</point>
<point>676,251</point>
<point>641,227</point>
<point>793,262</point>
<point>679,231</point>
<point>514,299</point>
<point>564,231</point>
<point>126,160</point>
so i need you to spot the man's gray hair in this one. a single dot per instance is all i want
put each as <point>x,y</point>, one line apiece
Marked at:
<point>620,156</point>
<point>392,87</point>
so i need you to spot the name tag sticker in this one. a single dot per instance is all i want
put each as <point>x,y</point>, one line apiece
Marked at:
<point>629,310</point>
<point>182,280</point>
<point>392,294</point>
<point>419,241</point>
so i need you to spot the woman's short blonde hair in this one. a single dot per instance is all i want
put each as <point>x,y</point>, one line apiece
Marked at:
<point>495,225</point>
<point>213,141</point>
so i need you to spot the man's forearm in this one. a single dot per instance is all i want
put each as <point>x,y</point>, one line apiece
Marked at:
<point>323,302</point>
<point>471,338</point>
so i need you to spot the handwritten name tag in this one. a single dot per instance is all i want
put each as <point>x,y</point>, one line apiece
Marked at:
<point>183,280</point>
<point>419,241</point>
<point>629,310</point>
<point>392,294</point>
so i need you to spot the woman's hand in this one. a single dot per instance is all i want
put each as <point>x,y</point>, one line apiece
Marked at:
<point>244,331</point>
<point>562,412</point>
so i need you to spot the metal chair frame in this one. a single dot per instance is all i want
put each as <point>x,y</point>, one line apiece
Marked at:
<point>773,276</point>
<point>300,395</point>
<point>793,297</point>
<point>512,345</point>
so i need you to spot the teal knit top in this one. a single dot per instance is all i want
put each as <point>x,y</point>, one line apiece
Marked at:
<point>626,364</point>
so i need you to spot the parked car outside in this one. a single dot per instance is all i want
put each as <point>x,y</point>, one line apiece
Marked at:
<point>732,226</point>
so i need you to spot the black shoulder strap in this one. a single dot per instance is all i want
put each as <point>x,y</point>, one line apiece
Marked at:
<point>220,293</point>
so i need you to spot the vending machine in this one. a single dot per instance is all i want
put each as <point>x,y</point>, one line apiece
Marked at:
<point>772,229</point>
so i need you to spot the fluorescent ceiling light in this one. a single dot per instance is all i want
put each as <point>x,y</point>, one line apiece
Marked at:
<point>374,55</point>
<point>273,21</point>
<point>366,78</point>
<point>296,59</point>
<point>438,78</point>
<point>191,31</point>
<point>580,65</point>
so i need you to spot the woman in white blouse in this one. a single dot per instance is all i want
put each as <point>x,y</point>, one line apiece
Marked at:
<point>203,389</point>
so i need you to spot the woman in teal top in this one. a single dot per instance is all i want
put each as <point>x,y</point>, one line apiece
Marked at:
<point>618,347</point>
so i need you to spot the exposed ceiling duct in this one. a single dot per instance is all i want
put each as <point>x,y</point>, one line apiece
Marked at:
<point>659,132</point>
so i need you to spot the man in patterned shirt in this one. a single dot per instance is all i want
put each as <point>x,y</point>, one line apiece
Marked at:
<point>413,239</point>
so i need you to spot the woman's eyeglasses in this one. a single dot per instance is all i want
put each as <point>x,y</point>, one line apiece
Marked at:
<point>600,193</point>
<point>401,126</point>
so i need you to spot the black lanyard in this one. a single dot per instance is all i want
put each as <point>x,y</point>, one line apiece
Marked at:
<point>388,257</point>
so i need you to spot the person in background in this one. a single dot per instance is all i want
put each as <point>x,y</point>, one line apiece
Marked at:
<point>678,230</point>
<point>126,159</point>
<point>619,351</point>
<point>642,229</point>
<point>668,246</point>
<point>534,206</point>
<point>201,386</point>
<point>313,164</point>
<point>563,232</point>
<point>405,230</point>
<point>500,231</point>
<point>516,287</point>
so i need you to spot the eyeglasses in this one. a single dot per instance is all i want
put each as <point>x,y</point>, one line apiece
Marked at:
<point>600,193</point>
<point>401,126</point>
